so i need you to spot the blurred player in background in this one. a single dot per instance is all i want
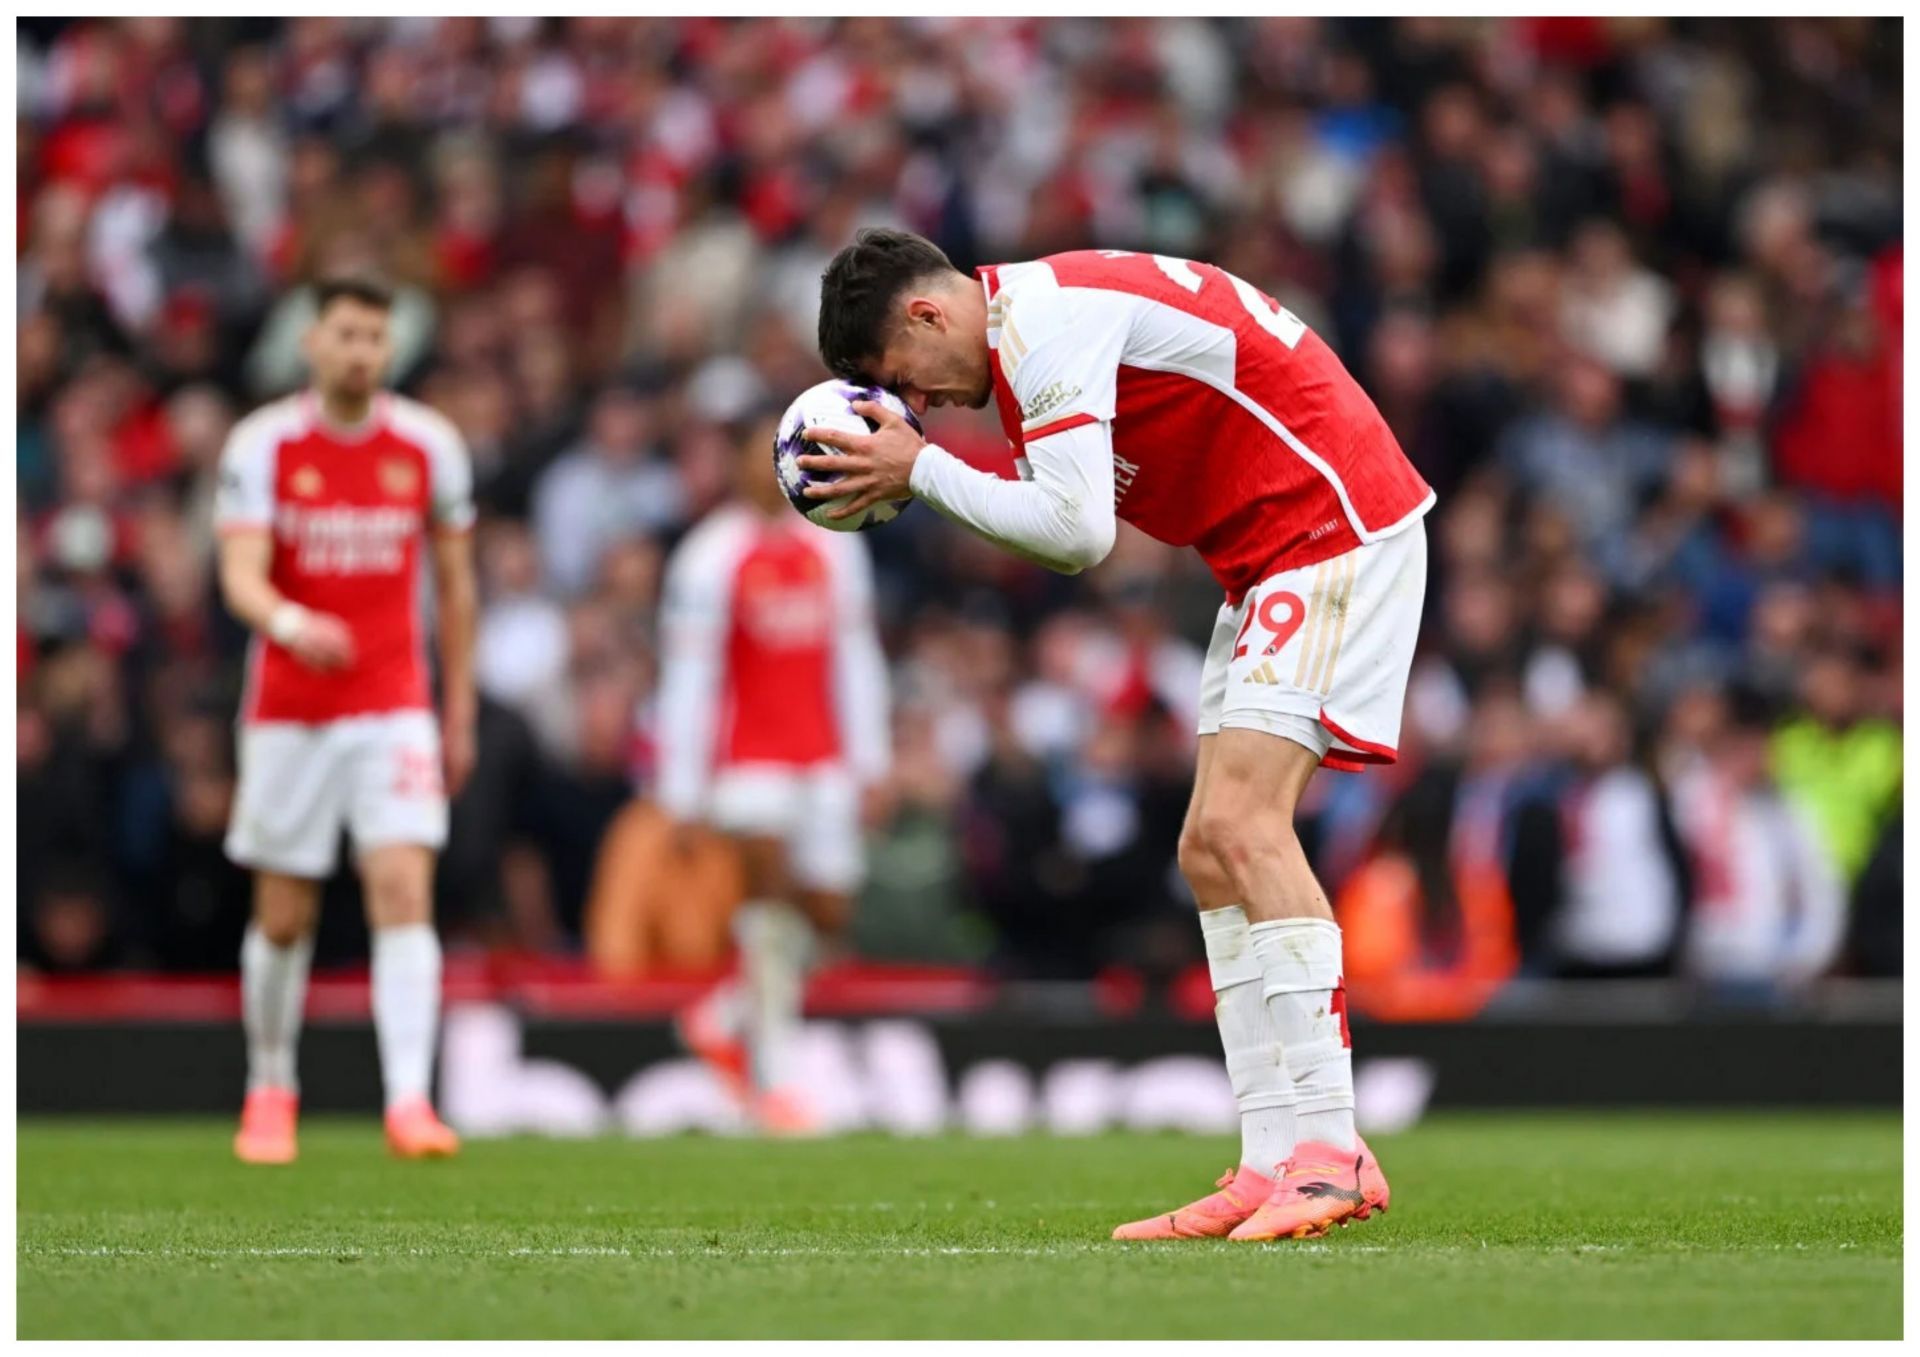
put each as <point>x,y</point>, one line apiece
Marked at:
<point>326,500</point>
<point>1182,399</point>
<point>772,729</point>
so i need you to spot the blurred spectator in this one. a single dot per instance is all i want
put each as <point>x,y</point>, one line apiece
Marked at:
<point>1621,878</point>
<point>1613,309</point>
<point>608,488</point>
<point>1771,913</point>
<point>521,653</point>
<point>661,900</point>
<point>1586,458</point>
<point>1879,900</point>
<point>1839,762</point>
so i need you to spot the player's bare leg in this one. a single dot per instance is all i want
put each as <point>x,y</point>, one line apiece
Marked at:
<point>398,883</point>
<point>1246,1038</point>
<point>1246,824</point>
<point>274,959</point>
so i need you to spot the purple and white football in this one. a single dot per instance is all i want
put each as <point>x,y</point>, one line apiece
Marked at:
<point>830,406</point>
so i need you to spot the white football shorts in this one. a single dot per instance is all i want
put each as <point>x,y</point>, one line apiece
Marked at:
<point>1320,655</point>
<point>377,776</point>
<point>814,810</point>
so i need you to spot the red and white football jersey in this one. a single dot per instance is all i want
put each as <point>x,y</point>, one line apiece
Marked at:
<point>348,510</point>
<point>1236,430</point>
<point>769,654</point>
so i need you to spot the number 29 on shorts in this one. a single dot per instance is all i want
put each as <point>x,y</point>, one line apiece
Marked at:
<point>1279,615</point>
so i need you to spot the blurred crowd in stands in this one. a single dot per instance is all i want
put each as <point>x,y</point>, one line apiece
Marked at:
<point>1629,291</point>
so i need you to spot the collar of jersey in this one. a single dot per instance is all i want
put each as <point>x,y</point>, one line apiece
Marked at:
<point>348,433</point>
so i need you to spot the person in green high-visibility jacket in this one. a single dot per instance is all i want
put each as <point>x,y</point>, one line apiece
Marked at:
<point>1842,765</point>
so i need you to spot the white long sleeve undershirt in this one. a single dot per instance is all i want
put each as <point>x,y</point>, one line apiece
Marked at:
<point>1059,516</point>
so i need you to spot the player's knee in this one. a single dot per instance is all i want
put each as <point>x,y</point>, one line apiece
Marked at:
<point>283,909</point>
<point>399,890</point>
<point>1204,874</point>
<point>1235,840</point>
<point>282,927</point>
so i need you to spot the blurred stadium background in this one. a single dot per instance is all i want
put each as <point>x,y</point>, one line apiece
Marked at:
<point>1629,291</point>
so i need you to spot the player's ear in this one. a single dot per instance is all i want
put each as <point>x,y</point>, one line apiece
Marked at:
<point>925,312</point>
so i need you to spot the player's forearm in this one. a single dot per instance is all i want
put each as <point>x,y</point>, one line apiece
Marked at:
<point>1062,518</point>
<point>250,595</point>
<point>249,598</point>
<point>458,609</point>
<point>457,616</point>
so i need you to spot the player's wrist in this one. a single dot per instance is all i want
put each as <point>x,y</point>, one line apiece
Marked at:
<point>925,461</point>
<point>287,622</point>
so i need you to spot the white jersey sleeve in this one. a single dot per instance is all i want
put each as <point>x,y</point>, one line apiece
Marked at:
<point>695,605</point>
<point>449,465</point>
<point>859,665</point>
<point>243,500</point>
<point>1060,353</point>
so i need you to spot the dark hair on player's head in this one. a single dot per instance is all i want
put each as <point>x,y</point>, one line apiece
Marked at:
<point>365,291</point>
<point>859,288</point>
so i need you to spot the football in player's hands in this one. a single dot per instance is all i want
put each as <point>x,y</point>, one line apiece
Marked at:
<point>830,406</point>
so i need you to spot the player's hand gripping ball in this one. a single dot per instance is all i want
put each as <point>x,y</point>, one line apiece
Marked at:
<point>830,405</point>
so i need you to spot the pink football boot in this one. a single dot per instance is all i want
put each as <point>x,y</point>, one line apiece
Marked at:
<point>1213,1216</point>
<point>267,1122</point>
<point>1319,1188</point>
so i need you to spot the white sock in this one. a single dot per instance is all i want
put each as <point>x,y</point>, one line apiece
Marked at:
<point>776,951</point>
<point>406,1007</point>
<point>726,1005</point>
<point>273,997</point>
<point>1300,975</point>
<point>1247,1038</point>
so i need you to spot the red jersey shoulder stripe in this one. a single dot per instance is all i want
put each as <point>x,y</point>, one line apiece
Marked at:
<point>1060,425</point>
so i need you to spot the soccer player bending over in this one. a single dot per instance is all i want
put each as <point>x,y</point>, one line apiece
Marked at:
<point>1181,399</point>
<point>326,499</point>
<point>772,727</point>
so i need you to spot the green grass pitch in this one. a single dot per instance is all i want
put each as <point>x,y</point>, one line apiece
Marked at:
<point>1589,1226</point>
